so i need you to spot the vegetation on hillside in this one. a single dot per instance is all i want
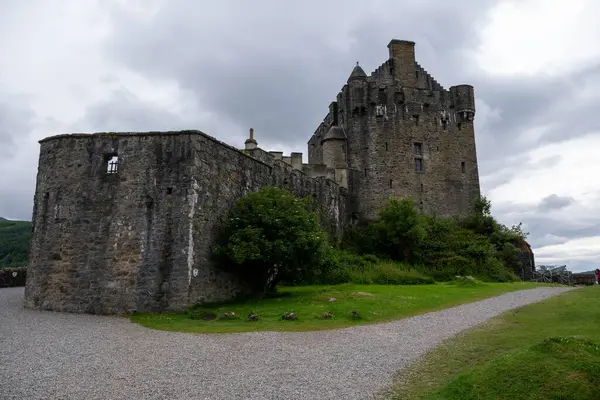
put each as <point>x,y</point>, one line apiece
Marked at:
<point>272,237</point>
<point>14,243</point>
<point>548,350</point>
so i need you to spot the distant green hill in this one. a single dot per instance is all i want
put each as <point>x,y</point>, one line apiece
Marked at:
<point>14,243</point>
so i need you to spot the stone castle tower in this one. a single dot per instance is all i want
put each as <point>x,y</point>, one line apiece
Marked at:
<point>399,133</point>
<point>126,221</point>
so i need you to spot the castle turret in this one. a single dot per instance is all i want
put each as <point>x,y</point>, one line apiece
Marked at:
<point>334,148</point>
<point>463,100</point>
<point>402,54</point>
<point>358,88</point>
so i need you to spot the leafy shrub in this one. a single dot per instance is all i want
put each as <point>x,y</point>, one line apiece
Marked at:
<point>271,236</point>
<point>474,245</point>
<point>390,274</point>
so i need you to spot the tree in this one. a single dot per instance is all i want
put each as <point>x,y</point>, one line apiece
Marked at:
<point>269,236</point>
<point>401,230</point>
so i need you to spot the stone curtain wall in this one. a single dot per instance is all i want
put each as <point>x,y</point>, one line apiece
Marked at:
<point>141,238</point>
<point>11,277</point>
<point>223,176</point>
<point>110,243</point>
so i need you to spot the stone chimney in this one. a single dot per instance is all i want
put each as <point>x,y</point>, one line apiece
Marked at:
<point>251,143</point>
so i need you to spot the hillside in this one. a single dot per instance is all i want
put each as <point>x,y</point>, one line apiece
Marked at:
<point>14,243</point>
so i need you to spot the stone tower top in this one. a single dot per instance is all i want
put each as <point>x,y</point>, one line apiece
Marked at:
<point>357,73</point>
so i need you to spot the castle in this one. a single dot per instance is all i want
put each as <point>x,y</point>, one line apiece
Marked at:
<point>125,222</point>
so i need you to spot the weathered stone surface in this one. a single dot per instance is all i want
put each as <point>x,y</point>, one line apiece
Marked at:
<point>289,316</point>
<point>526,260</point>
<point>394,119</point>
<point>140,239</point>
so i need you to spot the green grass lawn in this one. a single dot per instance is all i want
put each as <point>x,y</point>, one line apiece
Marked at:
<point>375,303</point>
<point>548,350</point>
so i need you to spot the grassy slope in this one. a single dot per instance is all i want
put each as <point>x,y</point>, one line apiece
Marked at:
<point>310,302</point>
<point>14,243</point>
<point>541,351</point>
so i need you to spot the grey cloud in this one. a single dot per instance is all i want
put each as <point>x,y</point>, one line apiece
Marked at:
<point>16,121</point>
<point>555,202</point>
<point>277,74</point>
<point>123,111</point>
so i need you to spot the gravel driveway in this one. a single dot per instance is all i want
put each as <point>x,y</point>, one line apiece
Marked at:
<point>45,355</point>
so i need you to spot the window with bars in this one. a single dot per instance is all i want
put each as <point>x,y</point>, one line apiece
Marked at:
<point>112,163</point>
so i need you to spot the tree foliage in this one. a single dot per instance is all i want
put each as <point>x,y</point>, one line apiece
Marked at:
<point>476,244</point>
<point>269,236</point>
<point>14,243</point>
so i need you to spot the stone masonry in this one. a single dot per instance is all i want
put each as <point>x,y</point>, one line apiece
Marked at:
<point>399,133</point>
<point>125,222</point>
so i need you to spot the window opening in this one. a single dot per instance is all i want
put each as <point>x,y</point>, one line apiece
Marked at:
<point>390,183</point>
<point>463,167</point>
<point>418,148</point>
<point>112,164</point>
<point>419,164</point>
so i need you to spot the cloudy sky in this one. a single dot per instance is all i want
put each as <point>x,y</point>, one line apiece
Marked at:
<point>223,67</point>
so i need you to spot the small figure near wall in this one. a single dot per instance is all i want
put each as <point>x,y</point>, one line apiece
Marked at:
<point>597,271</point>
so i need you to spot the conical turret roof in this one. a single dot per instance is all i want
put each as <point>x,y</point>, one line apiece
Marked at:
<point>335,133</point>
<point>357,73</point>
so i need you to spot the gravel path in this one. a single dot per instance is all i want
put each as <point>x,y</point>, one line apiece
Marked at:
<point>45,355</point>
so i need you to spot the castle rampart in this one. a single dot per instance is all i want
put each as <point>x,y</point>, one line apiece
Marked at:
<point>126,221</point>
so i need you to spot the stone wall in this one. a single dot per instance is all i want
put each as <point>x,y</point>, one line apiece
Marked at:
<point>406,137</point>
<point>140,239</point>
<point>526,259</point>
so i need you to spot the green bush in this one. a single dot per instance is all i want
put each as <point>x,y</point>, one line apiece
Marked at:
<point>475,245</point>
<point>272,236</point>
<point>388,273</point>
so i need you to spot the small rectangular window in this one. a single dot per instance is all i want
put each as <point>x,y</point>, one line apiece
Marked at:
<point>417,74</point>
<point>418,148</point>
<point>390,183</point>
<point>386,146</point>
<point>416,118</point>
<point>444,124</point>
<point>112,163</point>
<point>463,167</point>
<point>419,164</point>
